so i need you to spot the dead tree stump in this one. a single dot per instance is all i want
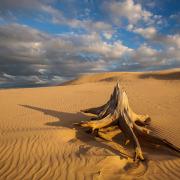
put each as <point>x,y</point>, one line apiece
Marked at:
<point>116,116</point>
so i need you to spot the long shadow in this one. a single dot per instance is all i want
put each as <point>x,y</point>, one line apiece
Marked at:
<point>67,120</point>
<point>165,76</point>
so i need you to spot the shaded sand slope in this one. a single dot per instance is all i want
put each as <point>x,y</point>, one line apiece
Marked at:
<point>38,140</point>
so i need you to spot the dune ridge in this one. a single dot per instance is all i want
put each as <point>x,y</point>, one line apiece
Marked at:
<point>38,139</point>
<point>118,76</point>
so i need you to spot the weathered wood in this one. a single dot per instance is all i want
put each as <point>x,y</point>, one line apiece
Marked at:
<point>116,116</point>
<point>109,132</point>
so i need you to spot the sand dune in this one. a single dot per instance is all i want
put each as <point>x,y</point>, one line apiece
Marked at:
<point>38,140</point>
<point>125,76</point>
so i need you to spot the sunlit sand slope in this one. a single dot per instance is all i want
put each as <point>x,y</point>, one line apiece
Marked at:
<point>38,140</point>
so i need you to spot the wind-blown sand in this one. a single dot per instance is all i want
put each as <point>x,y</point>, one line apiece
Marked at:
<point>38,140</point>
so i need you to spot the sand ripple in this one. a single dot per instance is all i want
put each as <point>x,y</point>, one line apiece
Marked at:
<point>38,141</point>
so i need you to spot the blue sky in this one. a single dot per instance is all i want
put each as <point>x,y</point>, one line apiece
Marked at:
<point>50,41</point>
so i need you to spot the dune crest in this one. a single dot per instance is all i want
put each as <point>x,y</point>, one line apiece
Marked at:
<point>173,74</point>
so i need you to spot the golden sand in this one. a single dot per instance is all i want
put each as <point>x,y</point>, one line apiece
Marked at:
<point>38,140</point>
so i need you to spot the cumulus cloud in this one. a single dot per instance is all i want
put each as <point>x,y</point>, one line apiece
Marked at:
<point>170,40</point>
<point>88,25</point>
<point>151,33</point>
<point>25,51</point>
<point>148,32</point>
<point>165,40</point>
<point>129,10</point>
<point>148,56</point>
<point>107,35</point>
<point>145,55</point>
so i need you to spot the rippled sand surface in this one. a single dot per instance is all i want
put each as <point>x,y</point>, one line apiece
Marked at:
<point>38,139</point>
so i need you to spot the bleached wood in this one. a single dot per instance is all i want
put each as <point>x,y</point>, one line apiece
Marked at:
<point>116,116</point>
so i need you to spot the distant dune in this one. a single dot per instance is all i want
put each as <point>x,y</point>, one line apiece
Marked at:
<point>173,74</point>
<point>38,139</point>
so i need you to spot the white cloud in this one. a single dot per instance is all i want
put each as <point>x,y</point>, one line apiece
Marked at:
<point>9,76</point>
<point>130,27</point>
<point>88,25</point>
<point>145,55</point>
<point>91,43</point>
<point>152,34</point>
<point>148,56</point>
<point>115,50</point>
<point>108,35</point>
<point>130,10</point>
<point>171,40</point>
<point>97,26</point>
<point>148,32</point>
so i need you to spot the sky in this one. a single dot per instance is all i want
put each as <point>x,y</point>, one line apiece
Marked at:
<point>52,41</point>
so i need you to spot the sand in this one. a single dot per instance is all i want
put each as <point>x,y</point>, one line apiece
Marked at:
<point>38,140</point>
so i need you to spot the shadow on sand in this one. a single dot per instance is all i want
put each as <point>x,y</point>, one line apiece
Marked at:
<point>67,120</point>
<point>165,76</point>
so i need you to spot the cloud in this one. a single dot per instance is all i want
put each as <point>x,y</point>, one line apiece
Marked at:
<point>169,48</point>
<point>15,4</point>
<point>108,35</point>
<point>41,57</point>
<point>28,55</point>
<point>10,9</point>
<point>148,56</point>
<point>169,40</point>
<point>145,55</point>
<point>175,17</point>
<point>88,25</point>
<point>149,32</point>
<point>133,12</point>
<point>165,40</point>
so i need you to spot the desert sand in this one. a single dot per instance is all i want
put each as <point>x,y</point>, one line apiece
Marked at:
<point>39,141</point>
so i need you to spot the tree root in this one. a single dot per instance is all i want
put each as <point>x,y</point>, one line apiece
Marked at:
<point>116,116</point>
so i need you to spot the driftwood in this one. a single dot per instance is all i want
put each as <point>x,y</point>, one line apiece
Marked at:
<point>116,116</point>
